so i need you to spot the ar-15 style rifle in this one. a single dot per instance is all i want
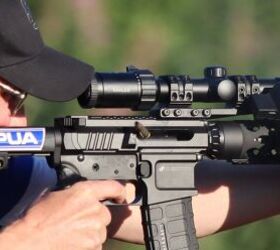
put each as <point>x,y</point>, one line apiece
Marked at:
<point>160,151</point>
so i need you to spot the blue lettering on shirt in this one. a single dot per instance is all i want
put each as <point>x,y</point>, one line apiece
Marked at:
<point>22,139</point>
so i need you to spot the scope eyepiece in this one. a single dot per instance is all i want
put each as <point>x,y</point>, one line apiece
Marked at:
<point>134,89</point>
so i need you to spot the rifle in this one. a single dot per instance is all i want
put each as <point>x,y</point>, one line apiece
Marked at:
<point>159,151</point>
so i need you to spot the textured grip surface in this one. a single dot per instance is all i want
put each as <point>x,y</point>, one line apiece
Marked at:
<point>169,226</point>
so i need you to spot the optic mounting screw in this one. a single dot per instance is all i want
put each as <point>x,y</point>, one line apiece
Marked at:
<point>206,112</point>
<point>195,112</point>
<point>178,112</point>
<point>166,112</point>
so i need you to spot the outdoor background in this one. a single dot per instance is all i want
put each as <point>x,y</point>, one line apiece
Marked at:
<point>165,36</point>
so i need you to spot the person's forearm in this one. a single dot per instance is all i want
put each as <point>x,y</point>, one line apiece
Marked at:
<point>229,196</point>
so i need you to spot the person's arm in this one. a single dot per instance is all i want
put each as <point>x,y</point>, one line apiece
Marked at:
<point>229,196</point>
<point>72,219</point>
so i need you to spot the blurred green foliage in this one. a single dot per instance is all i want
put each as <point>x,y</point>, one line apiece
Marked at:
<point>166,37</point>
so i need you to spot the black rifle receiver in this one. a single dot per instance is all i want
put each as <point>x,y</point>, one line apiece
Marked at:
<point>160,151</point>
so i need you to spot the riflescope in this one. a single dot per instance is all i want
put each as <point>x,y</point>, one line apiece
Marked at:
<point>141,90</point>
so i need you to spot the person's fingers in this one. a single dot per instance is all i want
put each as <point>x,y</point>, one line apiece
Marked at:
<point>108,190</point>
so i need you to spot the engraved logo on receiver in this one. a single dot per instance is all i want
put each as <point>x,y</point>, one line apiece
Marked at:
<point>21,139</point>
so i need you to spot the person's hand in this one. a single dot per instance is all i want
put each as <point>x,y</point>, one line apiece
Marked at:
<point>73,218</point>
<point>126,220</point>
